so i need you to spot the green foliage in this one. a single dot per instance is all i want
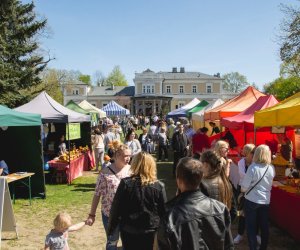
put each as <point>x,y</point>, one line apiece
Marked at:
<point>234,82</point>
<point>116,78</point>
<point>290,35</point>
<point>283,88</point>
<point>85,78</point>
<point>20,63</point>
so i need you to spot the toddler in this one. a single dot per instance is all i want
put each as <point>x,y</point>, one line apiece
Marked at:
<point>57,238</point>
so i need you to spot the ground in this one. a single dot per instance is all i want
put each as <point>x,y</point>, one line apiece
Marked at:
<point>34,222</point>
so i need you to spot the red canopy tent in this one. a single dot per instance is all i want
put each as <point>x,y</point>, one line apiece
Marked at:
<point>234,106</point>
<point>245,119</point>
<point>242,124</point>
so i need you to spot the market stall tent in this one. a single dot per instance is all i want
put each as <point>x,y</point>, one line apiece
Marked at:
<point>182,111</point>
<point>235,105</point>
<point>113,108</point>
<point>285,113</point>
<point>21,147</point>
<point>245,119</point>
<point>91,108</point>
<point>75,107</point>
<point>197,108</point>
<point>51,110</point>
<point>198,117</point>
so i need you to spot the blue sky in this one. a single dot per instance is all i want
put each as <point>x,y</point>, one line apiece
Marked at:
<point>207,36</point>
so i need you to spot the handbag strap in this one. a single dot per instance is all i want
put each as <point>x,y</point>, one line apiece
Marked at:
<point>257,182</point>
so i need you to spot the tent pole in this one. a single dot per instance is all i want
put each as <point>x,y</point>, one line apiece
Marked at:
<point>69,182</point>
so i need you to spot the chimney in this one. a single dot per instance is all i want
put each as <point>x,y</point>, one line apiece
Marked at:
<point>182,70</point>
<point>174,70</point>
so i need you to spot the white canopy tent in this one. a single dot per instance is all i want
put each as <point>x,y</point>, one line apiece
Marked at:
<point>89,107</point>
<point>182,111</point>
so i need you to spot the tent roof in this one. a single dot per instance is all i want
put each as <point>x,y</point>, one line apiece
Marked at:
<point>10,117</point>
<point>51,110</point>
<point>245,119</point>
<point>91,108</point>
<point>183,109</point>
<point>199,116</point>
<point>235,105</point>
<point>198,107</point>
<point>285,113</point>
<point>113,108</point>
<point>75,107</point>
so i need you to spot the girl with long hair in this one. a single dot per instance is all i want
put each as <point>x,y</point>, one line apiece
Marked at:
<point>215,183</point>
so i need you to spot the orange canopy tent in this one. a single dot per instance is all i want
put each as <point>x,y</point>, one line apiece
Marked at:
<point>234,106</point>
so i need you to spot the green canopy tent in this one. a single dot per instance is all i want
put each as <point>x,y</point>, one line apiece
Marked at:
<point>197,108</point>
<point>75,107</point>
<point>21,147</point>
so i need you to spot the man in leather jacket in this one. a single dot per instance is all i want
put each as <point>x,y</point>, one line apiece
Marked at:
<point>194,221</point>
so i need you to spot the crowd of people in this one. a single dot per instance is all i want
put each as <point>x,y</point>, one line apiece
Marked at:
<point>134,204</point>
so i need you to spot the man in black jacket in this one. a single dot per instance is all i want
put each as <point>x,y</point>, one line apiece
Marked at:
<point>194,221</point>
<point>180,145</point>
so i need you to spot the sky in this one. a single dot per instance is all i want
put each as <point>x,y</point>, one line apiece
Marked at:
<point>207,36</point>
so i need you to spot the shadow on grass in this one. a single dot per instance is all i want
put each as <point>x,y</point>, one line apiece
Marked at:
<point>83,187</point>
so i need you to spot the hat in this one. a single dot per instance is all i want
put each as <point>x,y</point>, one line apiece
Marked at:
<point>106,158</point>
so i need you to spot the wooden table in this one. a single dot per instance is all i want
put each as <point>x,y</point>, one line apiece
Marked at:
<point>24,178</point>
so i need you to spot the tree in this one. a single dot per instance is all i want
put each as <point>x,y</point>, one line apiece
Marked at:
<point>234,82</point>
<point>86,79</point>
<point>20,61</point>
<point>290,36</point>
<point>283,88</point>
<point>116,78</point>
<point>99,78</point>
<point>52,80</point>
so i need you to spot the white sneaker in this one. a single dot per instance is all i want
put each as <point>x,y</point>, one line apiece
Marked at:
<point>238,239</point>
<point>258,239</point>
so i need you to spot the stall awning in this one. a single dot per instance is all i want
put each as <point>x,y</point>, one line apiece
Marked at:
<point>285,113</point>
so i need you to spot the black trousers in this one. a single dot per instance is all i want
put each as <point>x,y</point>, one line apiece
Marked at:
<point>161,149</point>
<point>137,241</point>
<point>177,156</point>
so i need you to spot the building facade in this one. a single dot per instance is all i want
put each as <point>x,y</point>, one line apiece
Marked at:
<point>161,92</point>
<point>153,93</point>
<point>98,96</point>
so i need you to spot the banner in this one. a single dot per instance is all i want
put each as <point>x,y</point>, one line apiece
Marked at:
<point>74,129</point>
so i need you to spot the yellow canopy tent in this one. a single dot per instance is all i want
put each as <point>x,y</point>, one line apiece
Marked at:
<point>285,113</point>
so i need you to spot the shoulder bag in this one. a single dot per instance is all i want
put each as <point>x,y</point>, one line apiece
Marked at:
<point>241,197</point>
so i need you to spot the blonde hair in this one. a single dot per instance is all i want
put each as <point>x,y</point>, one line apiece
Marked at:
<point>262,154</point>
<point>144,166</point>
<point>218,145</point>
<point>62,221</point>
<point>247,149</point>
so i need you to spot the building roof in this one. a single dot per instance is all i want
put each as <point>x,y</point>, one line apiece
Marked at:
<point>116,91</point>
<point>176,75</point>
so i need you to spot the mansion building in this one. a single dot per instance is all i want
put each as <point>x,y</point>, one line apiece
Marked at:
<point>153,93</point>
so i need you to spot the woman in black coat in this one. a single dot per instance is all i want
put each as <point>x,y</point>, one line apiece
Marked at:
<point>138,204</point>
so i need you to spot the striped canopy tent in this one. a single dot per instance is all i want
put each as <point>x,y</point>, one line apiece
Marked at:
<point>113,108</point>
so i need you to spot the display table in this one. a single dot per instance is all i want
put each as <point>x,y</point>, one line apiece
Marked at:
<point>22,177</point>
<point>284,211</point>
<point>76,167</point>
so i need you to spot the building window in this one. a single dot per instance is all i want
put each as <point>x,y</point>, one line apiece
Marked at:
<point>194,89</point>
<point>75,91</point>
<point>168,89</point>
<point>148,88</point>
<point>181,104</point>
<point>104,104</point>
<point>208,88</point>
<point>181,89</point>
